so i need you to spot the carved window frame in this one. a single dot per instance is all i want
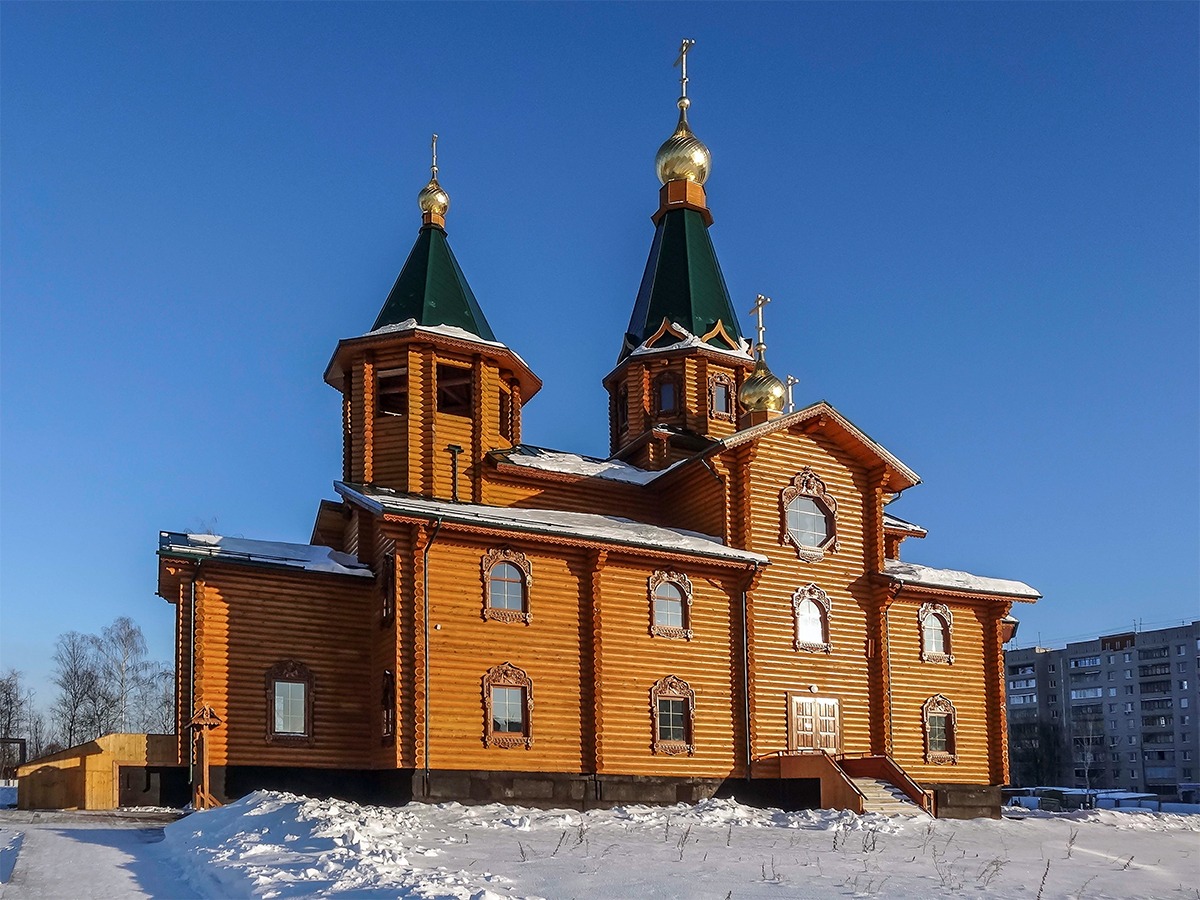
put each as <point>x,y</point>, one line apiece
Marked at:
<point>518,559</point>
<point>656,385</point>
<point>727,382</point>
<point>387,589</point>
<point>808,484</point>
<point>821,600</point>
<point>941,612</point>
<point>506,675</point>
<point>387,703</point>
<point>290,671</point>
<point>671,687</point>
<point>940,705</point>
<point>684,584</point>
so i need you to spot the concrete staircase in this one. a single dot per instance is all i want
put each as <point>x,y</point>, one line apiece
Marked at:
<point>884,797</point>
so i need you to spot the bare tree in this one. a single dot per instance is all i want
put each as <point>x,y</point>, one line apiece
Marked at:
<point>79,710</point>
<point>120,654</point>
<point>12,715</point>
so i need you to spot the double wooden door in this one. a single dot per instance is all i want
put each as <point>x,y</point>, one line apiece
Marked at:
<point>815,724</point>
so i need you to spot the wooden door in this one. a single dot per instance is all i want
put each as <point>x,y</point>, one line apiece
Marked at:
<point>816,724</point>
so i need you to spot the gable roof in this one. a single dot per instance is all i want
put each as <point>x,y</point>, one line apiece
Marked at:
<point>432,290</point>
<point>584,527</point>
<point>682,285</point>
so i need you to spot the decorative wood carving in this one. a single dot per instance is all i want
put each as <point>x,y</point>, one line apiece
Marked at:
<point>518,559</point>
<point>507,675</point>
<point>294,671</point>
<point>824,604</point>
<point>713,412</point>
<point>940,705</point>
<point>941,612</point>
<point>718,330</point>
<point>808,484</point>
<point>673,688</point>
<point>684,584</point>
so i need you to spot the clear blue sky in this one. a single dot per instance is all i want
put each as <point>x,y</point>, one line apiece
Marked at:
<point>978,224</point>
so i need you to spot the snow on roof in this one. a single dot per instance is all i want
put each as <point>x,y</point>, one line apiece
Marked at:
<point>950,579</point>
<point>687,340</point>
<point>898,524</point>
<point>309,557</point>
<point>564,463</point>
<point>450,331</point>
<point>588,526</point>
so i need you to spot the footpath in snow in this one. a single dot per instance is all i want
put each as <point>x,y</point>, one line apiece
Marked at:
<point>279,846</point>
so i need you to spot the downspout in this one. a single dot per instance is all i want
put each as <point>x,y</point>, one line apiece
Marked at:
<point>887,648</point>
<point>425,590</point>
<point>746,676</point>
<point>191,678</point>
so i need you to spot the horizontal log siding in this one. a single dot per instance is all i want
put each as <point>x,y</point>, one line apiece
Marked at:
<point>384,653</point>
<point>694,500</point>
<point>777,667</point>
<point>630,660</point>
<point>467,645</point>
<point>250,618</point>
<point>607,498</point>
<point>963,682</point>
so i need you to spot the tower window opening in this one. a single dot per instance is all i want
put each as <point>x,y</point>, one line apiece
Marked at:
<point>391,391</point>
<point>506,429</point>
<point>666,394</point>
<point>454,390</point>
<point>623,409</point>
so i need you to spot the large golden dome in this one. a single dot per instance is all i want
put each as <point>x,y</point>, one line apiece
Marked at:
<point>683,156</point>
<point>433,199</point>
<point>762,390</point>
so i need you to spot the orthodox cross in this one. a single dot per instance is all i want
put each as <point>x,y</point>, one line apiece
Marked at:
<point>433,146</point>
<point>687,45</point>
<point>757,310</point>
<point>791,382</point>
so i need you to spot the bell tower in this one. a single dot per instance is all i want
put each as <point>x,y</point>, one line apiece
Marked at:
<point>683,359</point>
<point>428,391</point>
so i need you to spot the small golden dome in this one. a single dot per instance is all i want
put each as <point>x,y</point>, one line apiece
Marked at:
<point>762,390</point>
<point>683,156</point>
<point>433,199</point>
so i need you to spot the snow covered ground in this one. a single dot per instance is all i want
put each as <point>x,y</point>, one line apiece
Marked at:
<point>278,845</point>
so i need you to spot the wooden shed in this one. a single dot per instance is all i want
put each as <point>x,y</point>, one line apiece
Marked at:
<point>110,772</point>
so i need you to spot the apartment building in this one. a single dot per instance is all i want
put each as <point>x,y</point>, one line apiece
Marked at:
<point>1114,712</point>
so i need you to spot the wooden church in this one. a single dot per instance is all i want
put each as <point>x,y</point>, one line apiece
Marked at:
<point>718,606</point>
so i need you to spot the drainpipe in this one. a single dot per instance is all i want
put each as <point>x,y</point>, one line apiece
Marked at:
<point>454,450</point>
<point>191,678</point>
<point>746,677</point>
<point>425,576</point>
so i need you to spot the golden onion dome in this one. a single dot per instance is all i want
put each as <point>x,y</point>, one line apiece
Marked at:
<point>762,390</point>
<point>433,199</point>
<point>683,156</point>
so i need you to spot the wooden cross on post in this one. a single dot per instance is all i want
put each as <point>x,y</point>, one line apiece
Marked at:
<point>433,146</point>
<point>200,724</point>
<point>757,310</point>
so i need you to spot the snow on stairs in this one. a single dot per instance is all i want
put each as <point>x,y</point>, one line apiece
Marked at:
<point>884,797</point>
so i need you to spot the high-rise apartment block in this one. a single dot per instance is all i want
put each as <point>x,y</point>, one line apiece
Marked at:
<point>1115,712</point>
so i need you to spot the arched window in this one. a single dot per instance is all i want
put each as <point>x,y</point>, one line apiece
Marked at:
<point>507,707</point>
<point>941,722</point>
<point>670,605</point>
<point>810,607</point>
<point>667,390</point>
<point>673,714</point>
<point>289,686</point>
<point>507,576</point>
<point>936,622</point>
<point>809,517</point>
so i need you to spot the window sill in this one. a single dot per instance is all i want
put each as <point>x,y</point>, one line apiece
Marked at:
<point>671,632</point>
<point>673,748</point>
<point>814,648</point>
<point>943,658</point>
<point>941,759</point>
<point>290,740</point>
<point>507,615</point>
<point>508,741</point>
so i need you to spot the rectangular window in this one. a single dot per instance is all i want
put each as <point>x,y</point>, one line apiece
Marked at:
<point>1086,693</point>
<point>454,392</point>
<point>671,711</point>
<point>1154,653</point>
<point>1112,692</point>
<point>391,392</point>
<point>1180,649</point>
<point>937,734</point>
<point>508,710</point>
<point>1128,673</point>
<point>1053,668</point>
<point>1018,683</point>
<point>1181,667</point>
<point>1085,662</point>
<point>1111,676</point>
<point>289,708</point>
<point>1125,657</point>
<point>1129,689</point>
<point>1183,702</point>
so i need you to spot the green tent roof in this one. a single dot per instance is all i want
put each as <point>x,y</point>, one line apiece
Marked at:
<point>432,290</point>
<point>682,284</point>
